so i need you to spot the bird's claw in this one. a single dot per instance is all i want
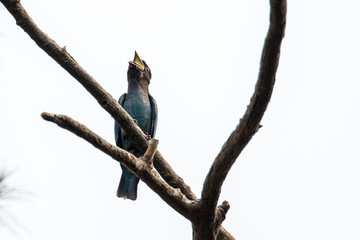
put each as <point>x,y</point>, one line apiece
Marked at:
<point>148,136</point>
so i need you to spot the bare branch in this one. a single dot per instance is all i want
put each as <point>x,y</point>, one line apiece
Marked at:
<point>62,57</point>
<point>221,212</point>
<point>250,123</point>
<point>247,127</point>
<point>142,169</point>
<point>224,235</point>
<point>150,152</point>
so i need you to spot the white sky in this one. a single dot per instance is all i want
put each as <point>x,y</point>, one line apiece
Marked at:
<point>297,179</point>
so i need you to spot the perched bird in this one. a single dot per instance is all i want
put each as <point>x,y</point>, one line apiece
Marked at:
<point>141,106</point>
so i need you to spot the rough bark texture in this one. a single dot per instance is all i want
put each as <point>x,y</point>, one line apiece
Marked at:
<point>62,57</point>
<point>204,214</point>
<point>139,166</point>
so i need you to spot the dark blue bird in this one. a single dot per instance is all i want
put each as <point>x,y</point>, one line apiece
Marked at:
<point>141,106</point>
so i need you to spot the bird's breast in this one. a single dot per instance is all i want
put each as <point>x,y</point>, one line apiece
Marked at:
<point>138,107</point>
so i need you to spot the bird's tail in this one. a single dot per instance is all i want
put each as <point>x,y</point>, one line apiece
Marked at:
<point>128,185</point>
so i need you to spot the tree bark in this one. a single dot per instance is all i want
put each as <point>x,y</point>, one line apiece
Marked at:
<point>140,166</point>
<point>205,215</point>
<point>206,226</point>
<point>106,101</point>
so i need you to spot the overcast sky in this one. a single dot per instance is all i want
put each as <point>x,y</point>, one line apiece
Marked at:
<point>297,179</point>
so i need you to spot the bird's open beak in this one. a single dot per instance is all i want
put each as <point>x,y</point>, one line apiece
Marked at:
<point>137,62</point>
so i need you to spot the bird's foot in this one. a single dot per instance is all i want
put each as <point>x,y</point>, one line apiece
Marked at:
<point>148,136</point>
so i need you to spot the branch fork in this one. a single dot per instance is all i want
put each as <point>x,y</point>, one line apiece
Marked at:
<point>205,216</point>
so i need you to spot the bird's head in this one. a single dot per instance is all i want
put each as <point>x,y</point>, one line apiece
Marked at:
<point>139,70</point>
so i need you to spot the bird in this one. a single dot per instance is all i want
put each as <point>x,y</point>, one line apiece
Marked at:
<point>142,107</point>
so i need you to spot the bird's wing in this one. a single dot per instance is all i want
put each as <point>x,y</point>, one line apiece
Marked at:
<point>117,126</point>
<point>154,115</point>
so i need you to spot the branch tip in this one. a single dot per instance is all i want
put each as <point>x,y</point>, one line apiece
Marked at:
<point>225,206</point>
<point>47,116</point>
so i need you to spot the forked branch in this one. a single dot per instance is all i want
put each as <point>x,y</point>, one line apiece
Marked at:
<point>207,223</point>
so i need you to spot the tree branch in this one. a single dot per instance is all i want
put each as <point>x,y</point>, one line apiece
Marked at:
<point>140,167</point>
<point>237,141</point>
<point>250,122</point>
<point>150,152</point>
<point>106,101</point>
